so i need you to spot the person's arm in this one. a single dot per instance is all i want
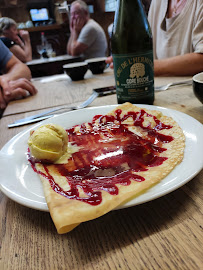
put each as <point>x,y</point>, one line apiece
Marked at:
<point>19,53</point>
<point>74,47</point>
<point>22,50</point>
<point>15,82</point>
<point>15,69</point>
<point>69,44</point>
<point>181,65</point>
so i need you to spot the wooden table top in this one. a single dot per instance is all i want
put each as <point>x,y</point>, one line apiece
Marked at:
<point>165,233</point>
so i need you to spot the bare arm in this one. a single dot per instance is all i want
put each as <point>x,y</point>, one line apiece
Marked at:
<point>72,46</point>
<point>75,48</point>
<point>69,45</point>
<point>15,69</point>
<point>15,82</point>
<point>181,65</point>
<point>22,50</point>
<point>19,53</point>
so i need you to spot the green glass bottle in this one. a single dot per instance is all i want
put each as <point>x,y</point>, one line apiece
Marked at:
<point>132,53</point>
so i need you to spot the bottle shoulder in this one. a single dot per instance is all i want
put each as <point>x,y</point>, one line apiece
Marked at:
<point>131,45</point>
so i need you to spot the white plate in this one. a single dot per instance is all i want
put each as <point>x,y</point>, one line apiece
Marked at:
<point>20,183</point>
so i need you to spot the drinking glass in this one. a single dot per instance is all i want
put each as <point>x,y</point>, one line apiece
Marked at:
<point>49,49</point>
<point>40,49</point>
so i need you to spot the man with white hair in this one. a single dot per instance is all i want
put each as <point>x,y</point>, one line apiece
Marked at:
<point>87,37</point>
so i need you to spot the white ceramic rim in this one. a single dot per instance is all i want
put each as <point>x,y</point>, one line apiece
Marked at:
<point>98,59</point>
<point>198,77</point>
<point>76,64</point>
<point>20,183</point>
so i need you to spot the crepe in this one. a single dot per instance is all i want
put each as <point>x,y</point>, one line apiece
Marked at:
<point>120,155</point>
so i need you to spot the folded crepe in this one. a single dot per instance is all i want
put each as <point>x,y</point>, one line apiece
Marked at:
<point>119,156</point>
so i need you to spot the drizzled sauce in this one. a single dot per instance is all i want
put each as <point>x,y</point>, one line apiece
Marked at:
<point>109,154</point>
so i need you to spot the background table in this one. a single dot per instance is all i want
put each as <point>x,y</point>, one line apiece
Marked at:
<point>50,66</point>
<point>162,234</point>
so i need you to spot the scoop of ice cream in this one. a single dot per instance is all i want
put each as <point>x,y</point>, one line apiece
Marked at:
<point>48,142</point>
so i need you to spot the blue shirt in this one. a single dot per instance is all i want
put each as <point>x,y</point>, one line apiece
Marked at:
<point>5,55</point>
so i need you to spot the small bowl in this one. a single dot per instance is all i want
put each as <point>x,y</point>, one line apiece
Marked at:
<point>76,70</point>
<point>96,65</point>
<point>198,86</point>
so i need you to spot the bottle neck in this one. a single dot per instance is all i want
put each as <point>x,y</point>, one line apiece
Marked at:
<point>131,31</point>
<point>43,39</point>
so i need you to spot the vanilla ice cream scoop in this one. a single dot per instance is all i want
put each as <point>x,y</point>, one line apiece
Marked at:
<point>48,142</point>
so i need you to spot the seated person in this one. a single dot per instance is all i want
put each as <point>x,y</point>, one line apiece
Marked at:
<point>87,37</point>
<point>14,83</point>
<point>17,41</point>
<point>177,37</point>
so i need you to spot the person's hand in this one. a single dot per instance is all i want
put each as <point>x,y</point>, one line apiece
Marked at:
<point>16,89</point>
<point>71,25</point>
<point>24,35</point>
<point>78,24</point>
<point>18,41</point>
<point>109,61</point>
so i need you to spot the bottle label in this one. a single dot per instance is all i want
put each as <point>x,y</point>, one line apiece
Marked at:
<point>134,75</point>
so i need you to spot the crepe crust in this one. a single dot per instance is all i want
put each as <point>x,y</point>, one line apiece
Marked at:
<point>68,213</point>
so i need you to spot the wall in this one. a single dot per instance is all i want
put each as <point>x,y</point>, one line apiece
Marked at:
<point>20,13</point>
<point>17,12</point>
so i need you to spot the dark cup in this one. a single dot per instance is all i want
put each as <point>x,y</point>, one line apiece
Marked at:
<point>198,86</point>
<point>76,71</point>
<point>96,65</point>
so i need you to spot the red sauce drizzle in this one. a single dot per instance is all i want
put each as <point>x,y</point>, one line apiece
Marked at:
<point>109,154</point>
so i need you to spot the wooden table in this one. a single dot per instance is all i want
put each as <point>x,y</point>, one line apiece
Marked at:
<point>165,233</point>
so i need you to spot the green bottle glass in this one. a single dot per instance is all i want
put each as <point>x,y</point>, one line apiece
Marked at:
<point>132,52</point>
